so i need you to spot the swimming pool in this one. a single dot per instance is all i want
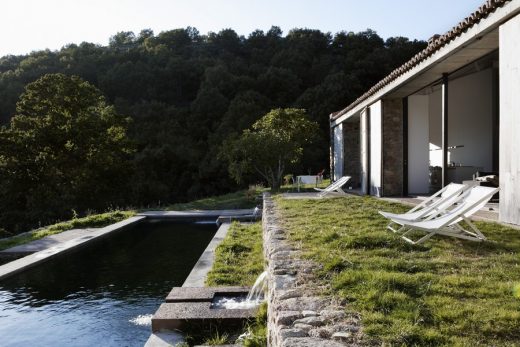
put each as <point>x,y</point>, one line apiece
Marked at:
<point>104,293</point>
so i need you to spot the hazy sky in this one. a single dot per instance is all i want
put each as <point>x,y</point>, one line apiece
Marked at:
<point>27,25</point>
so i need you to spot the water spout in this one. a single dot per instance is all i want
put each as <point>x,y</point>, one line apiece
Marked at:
<point>256,293</point>
<point>253,299</point>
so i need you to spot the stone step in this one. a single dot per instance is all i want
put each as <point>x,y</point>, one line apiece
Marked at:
<point>186,305</point>
<point>201,294</point>
<point>175,315</point>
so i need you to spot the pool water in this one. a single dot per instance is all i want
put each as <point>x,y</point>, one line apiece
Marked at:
<point>103,294</point>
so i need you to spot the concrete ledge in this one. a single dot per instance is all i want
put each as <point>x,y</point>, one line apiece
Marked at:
<point>29,261</point>
<point>164,339</point>
<point>198,274</point>
<point>200,294</point>
<point>242,218</point>
<point>45,242</point>
<point>196,214</point>
<point>172,316</point>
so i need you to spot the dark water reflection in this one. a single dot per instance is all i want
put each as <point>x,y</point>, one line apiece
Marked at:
<point>89,297</point>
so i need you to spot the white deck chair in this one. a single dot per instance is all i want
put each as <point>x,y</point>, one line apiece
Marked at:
<point>336,186</point>
<point>448,223</point>
<point>435,204</point>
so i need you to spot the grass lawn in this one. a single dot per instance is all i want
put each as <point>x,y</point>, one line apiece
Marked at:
<point>446,292</point>
<point>239,257</point>
<point>242,199</point>
<point>93,221</point>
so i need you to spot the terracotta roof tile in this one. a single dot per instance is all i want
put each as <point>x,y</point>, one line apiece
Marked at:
<point>434,44</point>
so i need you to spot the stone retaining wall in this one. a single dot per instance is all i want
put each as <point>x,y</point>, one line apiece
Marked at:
<point>297,314</point>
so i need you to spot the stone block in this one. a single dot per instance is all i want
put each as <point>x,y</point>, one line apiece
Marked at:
<point>310,342</point>
<point>203,294</point>
<point>314,321</point>
<point>172,316</point>
<point>287,317</point>
<point>292,332</point>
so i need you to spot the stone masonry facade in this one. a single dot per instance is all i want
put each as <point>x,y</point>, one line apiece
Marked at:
<point>352,155</point>
<point>298,313</point>
<point>392,138</point>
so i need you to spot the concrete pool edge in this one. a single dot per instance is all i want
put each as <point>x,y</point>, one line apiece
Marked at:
<point>197,276</point>
<point>18,265</point>
<point>22,264</point>
<point>199,272</point>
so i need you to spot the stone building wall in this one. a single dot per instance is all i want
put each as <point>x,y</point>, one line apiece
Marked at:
<point>352,155</point>
<point>393,147</point>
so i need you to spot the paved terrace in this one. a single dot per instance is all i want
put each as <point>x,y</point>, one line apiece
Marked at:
<point>46,242</point>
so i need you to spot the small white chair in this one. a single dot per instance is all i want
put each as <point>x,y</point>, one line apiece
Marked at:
<point>448,223</point>
<point>334,187</point>
<point>435,204</point>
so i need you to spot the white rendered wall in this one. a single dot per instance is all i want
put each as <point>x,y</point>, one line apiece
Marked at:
<point>338,151</point>
<point>375,148</point>
<point>470,119</point>
<point>510,121</point>
<point>418,144</point>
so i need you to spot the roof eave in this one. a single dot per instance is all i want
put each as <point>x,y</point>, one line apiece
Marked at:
<point>507,9</point>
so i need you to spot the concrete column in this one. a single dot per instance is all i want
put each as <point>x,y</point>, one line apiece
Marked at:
<point>376,148</point>
<point>393,147</point>
<point>331,154</point>
<point>338,151</point>
<point>509,143</point>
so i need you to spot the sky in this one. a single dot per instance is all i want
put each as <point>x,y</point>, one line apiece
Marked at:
<point>29,25</point>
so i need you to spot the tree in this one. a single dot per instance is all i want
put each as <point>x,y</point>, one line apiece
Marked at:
<point>187,93</point>
<point>65,149</point>
<point>272,144</point>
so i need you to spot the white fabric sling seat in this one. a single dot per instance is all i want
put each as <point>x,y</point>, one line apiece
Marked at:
<point>336,186</point>
<point>435,204</point>
<point>448,223</point>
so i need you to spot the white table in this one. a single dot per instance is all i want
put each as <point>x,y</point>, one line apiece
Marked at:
<point>307,179</point>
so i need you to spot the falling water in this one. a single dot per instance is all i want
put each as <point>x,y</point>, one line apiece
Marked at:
<point>257,292</point>
<point>253,299</point>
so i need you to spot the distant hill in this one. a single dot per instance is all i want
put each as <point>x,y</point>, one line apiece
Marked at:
<point>188,92</point>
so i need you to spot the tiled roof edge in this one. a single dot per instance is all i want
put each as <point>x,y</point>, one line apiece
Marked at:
<point>434,44</point>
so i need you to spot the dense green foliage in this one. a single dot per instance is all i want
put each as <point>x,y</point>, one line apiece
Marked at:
<point>187,93</point>
<point>65,150</point>
<point>273,144</point>
<point>447,292</point>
